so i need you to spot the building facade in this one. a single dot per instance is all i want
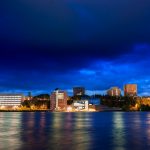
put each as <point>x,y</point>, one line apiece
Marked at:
<point>114,91</point>
<point>10,100</point>
<point>78,91</point>
<point>58,100</point>
<point>80,105</point>
<point>130,90</point>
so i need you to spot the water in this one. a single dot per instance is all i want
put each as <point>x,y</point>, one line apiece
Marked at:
<point>74,131</point>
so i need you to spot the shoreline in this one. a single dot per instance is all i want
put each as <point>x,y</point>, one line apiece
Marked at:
<point>68,112</point>
<point>25,111</point>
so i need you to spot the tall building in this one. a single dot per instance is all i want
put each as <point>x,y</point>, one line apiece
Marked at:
<point>130,90</point>
<point>78,91</point>
<point>10,100</point>
<point>29,97</point>
<point>29,94</point>
<point>114,91</point>
<point>58,100</point>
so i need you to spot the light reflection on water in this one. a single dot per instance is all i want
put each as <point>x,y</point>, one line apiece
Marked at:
<point>119,139</point>
<point>85,131</point>
<point>10,131</point>
<point>148,125</point>
<point>70,131</point>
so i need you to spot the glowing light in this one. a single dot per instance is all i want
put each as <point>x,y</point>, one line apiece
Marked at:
<point>15,107</point>
<point>91,109</point>
<point>136,106</point>
<point>69,109</point>
<point>2,107</point>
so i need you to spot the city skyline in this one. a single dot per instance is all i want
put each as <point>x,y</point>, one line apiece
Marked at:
<point>74,74</point>
<point>81,91</point>
<point>97,45</point>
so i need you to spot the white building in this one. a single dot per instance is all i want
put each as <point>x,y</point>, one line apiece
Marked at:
<point>10,100</point>
<point>80,105</point>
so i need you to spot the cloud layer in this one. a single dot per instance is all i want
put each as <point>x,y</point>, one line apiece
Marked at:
<point>96,44</point>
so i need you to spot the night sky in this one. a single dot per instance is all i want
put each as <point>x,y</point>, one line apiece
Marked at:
<point>92,43</point>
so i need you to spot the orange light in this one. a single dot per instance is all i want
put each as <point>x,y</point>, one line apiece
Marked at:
<point>69,109</point>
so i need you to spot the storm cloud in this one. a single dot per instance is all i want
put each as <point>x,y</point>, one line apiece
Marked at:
<point>96,44</point>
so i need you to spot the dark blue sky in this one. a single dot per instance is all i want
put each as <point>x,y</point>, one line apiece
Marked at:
<point>92,43</point>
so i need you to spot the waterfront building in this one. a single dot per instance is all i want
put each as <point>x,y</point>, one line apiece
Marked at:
<point>114,91</point>
<point>80,105</point>
<point>10,100</point>
<point>58,100</point>
<point>78,91</point>
<point>130,90</point>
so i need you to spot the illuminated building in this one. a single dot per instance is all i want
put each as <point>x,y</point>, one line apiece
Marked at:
<point>58,100</point>
<point>29,97</point>
<point>78,91</point>
<point>114,91</point>
<point>130,90</point>
<point>80,105</point>
<point>10,100</point>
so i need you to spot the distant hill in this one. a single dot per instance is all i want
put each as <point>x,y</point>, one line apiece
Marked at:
<point>42,96</point>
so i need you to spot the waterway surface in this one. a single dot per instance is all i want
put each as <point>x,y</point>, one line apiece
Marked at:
<point>74,131</point>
